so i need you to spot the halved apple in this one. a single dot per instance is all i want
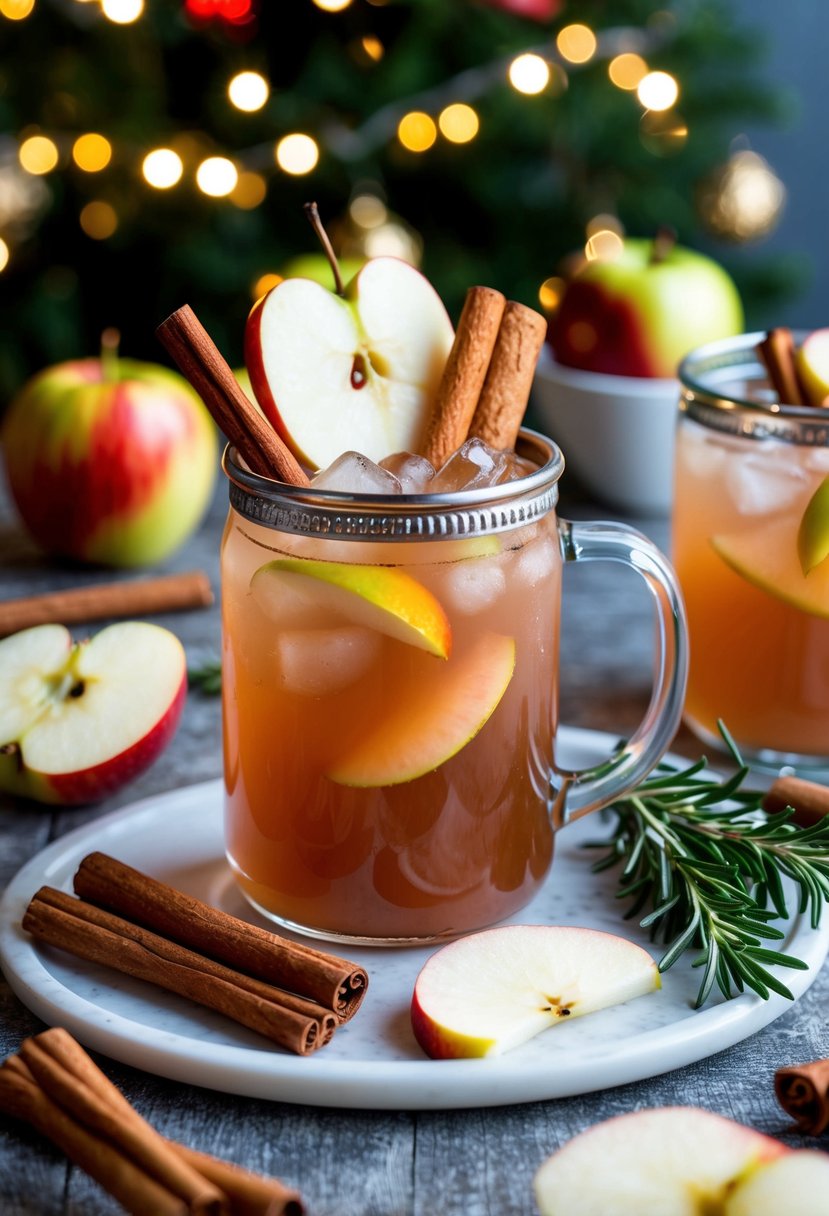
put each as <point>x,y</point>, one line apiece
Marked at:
<point>487,993</point>
<point>379,597</point>
<point>77,721</point>
<point>667,1161</point>
<point>358,372</point>
<point>768,558</point>
<point>434,720</point>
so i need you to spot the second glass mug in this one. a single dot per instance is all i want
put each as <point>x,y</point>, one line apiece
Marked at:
<point>381,794</point>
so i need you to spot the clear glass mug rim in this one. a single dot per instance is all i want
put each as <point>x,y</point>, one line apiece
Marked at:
<point>304,510</point>
<point>708,403</point>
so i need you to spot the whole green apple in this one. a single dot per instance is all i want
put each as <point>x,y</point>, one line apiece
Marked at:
<point>316,266</point>
<point>109,460</point>
<point>641,312</point>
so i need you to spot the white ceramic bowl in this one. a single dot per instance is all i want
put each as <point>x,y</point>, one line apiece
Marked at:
<point>616,432</point>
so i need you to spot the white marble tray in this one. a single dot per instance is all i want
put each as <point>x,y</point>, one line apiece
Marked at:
<point>373,1061</point>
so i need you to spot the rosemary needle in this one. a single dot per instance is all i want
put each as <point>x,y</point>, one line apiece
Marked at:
<point>706,865</point>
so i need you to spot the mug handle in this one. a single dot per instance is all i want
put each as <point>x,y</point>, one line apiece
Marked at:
<point>577,793</point>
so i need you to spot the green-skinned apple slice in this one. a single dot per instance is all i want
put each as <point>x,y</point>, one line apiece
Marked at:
<point>813,533</point>
<point>382,598</point>
<point>434,720</point>
<point>354,372</point>
<point>768,558</point>
<point>491,991</point>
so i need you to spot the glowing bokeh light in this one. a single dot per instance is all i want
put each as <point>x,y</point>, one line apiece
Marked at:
<point>627,70</point>
<point>38,154</point>
<point>249,191</point>
<point>162,168</point>
<point>297,153</point>
<point>373,47</point>
<point>417,131</point>
<point>657,91</point>
<point>576,43</point>
<point>248,91</point>
<point>5,254</point>
<point>99,219</point>
<point>458,123</point>
<point>529,73</point>
<point>16,10</point>
<point>332,6</point>
<point>264,284</point>
<point>368,211</point>
<point>550,293</point>
<point>122,12</point>
<point>217,176</point>
<point>92,152</point>
<point>603,245</point>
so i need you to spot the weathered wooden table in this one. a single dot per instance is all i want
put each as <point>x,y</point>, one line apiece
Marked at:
<point>384,1163</point>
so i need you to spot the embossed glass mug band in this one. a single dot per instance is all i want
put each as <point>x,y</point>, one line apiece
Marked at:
<point>389,739</point>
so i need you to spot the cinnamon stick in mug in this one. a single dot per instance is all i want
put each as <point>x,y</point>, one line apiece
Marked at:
<point>777,353</point>
<point>506,390</point>
<point>464,373</point>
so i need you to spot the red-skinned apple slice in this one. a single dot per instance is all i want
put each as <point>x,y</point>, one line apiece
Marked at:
<point>434,720</point>
<point>491,991</point>
<point>77,721</point>
<point>795,1182</point>
<point>357,372</point>
<point>768,557</point>
<point>296,591</point>
<point>668,1161</point>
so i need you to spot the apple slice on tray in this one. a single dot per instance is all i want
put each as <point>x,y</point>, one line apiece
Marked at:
<point>768,557</point>
<point>487,993</point>
<point>679,1160</point>
<point>79,720</point>
<point>431,719</point>
<point>357,371</point>
<point>303,591</point>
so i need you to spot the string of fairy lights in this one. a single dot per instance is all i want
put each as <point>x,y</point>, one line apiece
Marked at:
<point>418,123</point>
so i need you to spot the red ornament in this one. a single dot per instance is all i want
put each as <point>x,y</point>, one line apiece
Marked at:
<point>535,10</point>
<point>231,12</point>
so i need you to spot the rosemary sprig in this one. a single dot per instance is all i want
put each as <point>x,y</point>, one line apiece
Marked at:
<point>706,864</point>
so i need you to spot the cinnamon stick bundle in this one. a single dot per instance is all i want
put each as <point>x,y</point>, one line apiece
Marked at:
<point>54,1085</point>
<point>132,598</point>
<point>803,1092</point>
<point>333,982</point>
<point>506,390</point>
<point>91,933</point>
<point>199,360</point>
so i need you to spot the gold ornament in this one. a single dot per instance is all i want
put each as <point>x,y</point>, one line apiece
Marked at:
<point>743,199</point>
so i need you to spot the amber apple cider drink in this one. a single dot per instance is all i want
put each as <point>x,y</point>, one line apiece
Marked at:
<point>759,633</point>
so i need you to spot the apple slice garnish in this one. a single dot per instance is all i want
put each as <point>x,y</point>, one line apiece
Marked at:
<point>353,372</point>
<point>382,598</point>
<point>432,719</point>
<point>768,558</point>
<point>77,721</point>
<point>491,991</point>
<point>794,1182</point>
<point>666,1161</point>
<point>812,363</point>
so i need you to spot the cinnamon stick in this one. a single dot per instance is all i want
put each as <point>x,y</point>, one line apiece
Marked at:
<point>23,1098</point>
<point>333,982</point>
<point>464,373</point>
<point>93,1105</point>
<point>810,800</point>
<point>132,598</point>
<point>199,360</point>
<point>91,933</point>
<point>803,1092</point>
<point>504,396</point>
<point>777,353</point>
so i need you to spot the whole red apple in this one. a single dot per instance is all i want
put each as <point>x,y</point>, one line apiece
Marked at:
<point>639,313</point>
<point>109,460</point>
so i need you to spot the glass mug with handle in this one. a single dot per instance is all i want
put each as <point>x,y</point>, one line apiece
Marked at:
<point>390,699</point>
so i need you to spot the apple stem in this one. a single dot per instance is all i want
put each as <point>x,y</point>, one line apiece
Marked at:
<point>312,211</point>
<point>110,341</point>
<point>663,243</point>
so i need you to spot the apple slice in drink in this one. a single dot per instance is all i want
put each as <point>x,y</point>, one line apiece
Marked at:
<point>812,363</point>
<point>378,597</point>
<point>668,1161</point>
<point>357,372</point>
<point>768,557</point>
<point>432,719</point>
<point>490,992</point>
<point>77,721</point>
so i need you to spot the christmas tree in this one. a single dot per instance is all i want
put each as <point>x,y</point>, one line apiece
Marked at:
<point>160,151</point>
